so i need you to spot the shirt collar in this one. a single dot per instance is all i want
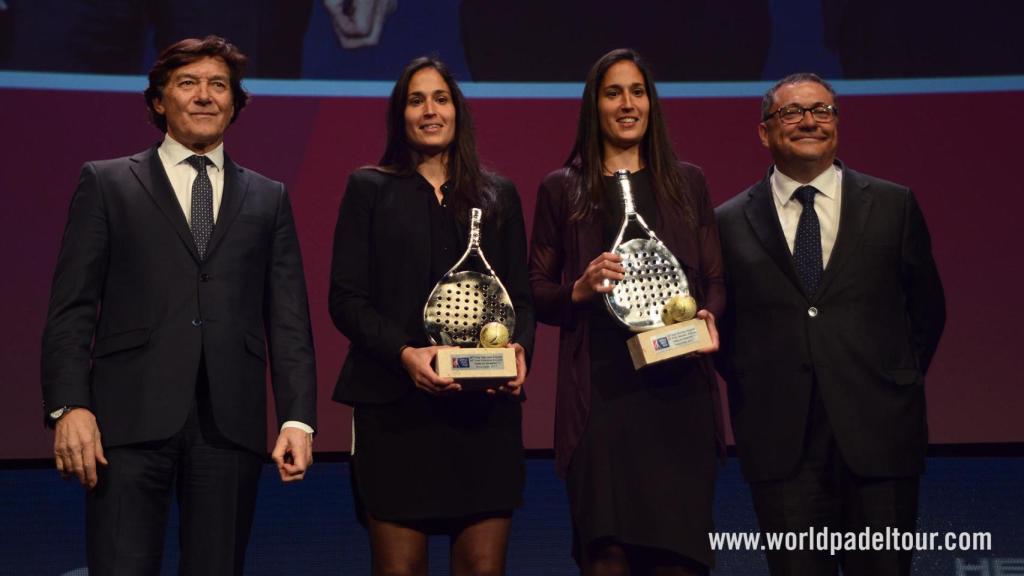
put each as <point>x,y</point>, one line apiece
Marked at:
<point>178,153</point>
<point>783,186</point>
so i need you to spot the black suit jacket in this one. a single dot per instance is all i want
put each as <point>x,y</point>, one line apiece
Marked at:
<point>380,277</point>
<point>133,310</point>
<point>867,336</point>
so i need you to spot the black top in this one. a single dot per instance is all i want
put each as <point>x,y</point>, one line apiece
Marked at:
<point>445,241</point>
<point>643,200</point>
<point>562,247</point>
<point>385,265</point>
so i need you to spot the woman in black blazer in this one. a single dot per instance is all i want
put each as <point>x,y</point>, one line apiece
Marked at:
<point>427,457</point>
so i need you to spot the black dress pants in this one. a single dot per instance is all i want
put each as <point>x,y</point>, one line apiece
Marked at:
<point>824,492</point>
<point>215,481</point>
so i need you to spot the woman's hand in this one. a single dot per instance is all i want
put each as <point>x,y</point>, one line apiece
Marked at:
<point>709,318</point>
<point>595,279</point>
<point>514,387</point>
<point>418,362</point>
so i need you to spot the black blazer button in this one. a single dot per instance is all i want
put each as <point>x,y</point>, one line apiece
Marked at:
<point>204,277</point>
<point>197,322</point>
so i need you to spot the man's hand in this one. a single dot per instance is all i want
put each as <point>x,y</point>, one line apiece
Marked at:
<point>293,454</point>
<point>358,23</point>
<point>77,447</point>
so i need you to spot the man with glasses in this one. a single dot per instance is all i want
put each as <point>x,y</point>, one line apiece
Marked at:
<point>835,312</point>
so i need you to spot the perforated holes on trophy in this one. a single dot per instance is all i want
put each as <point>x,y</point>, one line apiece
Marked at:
<point>653,275</point>
<point>467,297</point>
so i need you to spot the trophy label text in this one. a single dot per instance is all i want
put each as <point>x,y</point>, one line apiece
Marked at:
<point>490,366</point>
<point>477,362</point>
<point>668,342</point>
<point>683,336</point>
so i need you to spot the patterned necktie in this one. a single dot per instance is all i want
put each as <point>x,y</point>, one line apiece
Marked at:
<point>202,204</point>
<point>807,248</point>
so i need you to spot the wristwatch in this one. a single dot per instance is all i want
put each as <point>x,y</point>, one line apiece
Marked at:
<point>59,412</point>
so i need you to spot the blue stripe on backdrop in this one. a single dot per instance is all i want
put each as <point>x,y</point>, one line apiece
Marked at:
<point>310,528</point>
<point>377,89</point>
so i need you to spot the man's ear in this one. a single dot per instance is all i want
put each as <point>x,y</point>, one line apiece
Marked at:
<point>158,105</point>
<point>762,133</point>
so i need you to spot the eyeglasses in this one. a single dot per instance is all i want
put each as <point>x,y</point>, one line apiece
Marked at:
<point>794,114</point>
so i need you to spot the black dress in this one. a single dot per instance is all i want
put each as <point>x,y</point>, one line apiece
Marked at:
<point>643,474</point>
<point>423,460</point>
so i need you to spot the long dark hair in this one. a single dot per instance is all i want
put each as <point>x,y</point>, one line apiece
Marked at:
<point>586,161</point>
<point>471,186</point>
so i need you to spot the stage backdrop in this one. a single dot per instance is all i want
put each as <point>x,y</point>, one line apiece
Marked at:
<point>930,95</point>
<point>957,151</point>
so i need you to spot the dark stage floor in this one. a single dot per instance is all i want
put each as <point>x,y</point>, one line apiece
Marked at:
<point>310,529</point>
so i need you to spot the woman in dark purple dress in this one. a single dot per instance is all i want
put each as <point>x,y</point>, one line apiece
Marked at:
<point>637,448</point>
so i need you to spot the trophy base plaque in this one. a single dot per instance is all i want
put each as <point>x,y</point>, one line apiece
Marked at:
<point>668,342</point>
<point>476,368</point>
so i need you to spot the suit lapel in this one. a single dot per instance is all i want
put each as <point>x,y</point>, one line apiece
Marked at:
<point>853,216</point>
<point>764,221</point>
<point>151,175</point>
<point>236,186</point>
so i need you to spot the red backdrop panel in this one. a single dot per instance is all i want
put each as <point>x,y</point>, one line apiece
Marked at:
<point>962,168</point>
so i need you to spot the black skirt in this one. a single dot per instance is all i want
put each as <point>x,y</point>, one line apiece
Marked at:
<point>424,460</point>
<point>644,471</point>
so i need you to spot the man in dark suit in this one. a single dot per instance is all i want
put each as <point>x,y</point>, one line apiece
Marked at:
<point>178,278</point>
<point>835,312</point>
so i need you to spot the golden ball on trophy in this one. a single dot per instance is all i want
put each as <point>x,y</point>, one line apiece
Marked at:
<point>493,335</point>
<point>679,308</point>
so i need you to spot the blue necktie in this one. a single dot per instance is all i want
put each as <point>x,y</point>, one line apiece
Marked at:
<point>202,204</point>
<point>807,248</point>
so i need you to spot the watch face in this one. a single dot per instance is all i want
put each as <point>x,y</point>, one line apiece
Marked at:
<point>56,414</point>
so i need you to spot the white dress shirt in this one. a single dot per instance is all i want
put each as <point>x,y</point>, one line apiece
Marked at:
<point>174,155</point>
<point>826,205</point>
